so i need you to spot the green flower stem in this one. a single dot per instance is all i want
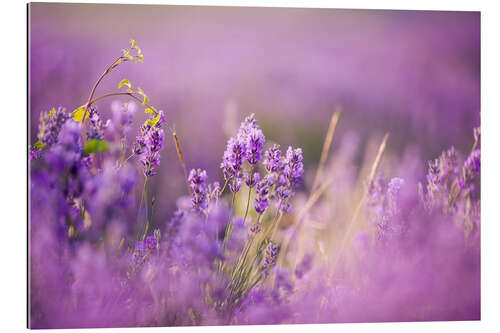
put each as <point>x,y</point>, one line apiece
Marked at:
<point>92,92</point>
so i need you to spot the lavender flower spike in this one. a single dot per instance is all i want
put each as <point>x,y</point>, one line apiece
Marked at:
<point>50,125</point>
<point>472,165</point>
<point>96,127</point>
<point>148,144</point>
<point>270,255</point>
<point>294,168</point>
<point>48,130</point>
<point>261,201</point>
<point>233,158</point>
<point>255,142</point>
<point>151,157</point>
<point>198,184</point>
<point>272,159</point>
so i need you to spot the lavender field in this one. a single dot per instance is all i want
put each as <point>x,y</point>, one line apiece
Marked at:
<point>234,166</point>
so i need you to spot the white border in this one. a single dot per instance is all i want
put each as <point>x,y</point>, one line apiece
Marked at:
<point>13,165</point>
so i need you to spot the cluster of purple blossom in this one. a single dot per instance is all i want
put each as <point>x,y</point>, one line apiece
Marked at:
<point>93,261</point>
<point>283,173</point>
<point>148,144</point>
<point>82,197</point>
<point>101,257</point>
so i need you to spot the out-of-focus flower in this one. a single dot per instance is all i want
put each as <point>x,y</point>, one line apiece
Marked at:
<point>472,165</point>
<point>95,129</point>
<point>270,255</point>
<point>51,123</point>
<point>50,126</point>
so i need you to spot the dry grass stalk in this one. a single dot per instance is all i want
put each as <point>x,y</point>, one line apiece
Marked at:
<point>354,219</point>
<point>315,191</point>
<point>326,148</point>
<point>181,159</point>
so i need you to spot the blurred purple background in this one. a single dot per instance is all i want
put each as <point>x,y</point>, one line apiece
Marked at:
<point>413,73</point>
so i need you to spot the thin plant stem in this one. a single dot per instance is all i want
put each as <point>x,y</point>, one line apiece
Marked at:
<point>275,226</point>
<point>127,159</point>
<point>181,159</point>
<point>224,187</point>
<point>124,94</point>
<point>92,92</point>
<point>248,203</point>
<point>316,190</point>
<point>144,198</point>
<point>326,148</point>
<point>354,218</point>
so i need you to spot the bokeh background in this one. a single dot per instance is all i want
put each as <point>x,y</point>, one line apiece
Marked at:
<point>415,74</point>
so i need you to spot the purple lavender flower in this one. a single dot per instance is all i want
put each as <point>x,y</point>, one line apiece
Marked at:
<point>394,187</point>
<point>50,125</point>
<point>246,145</point>
<point>109,197</point>
<point>198,184</point>
<point>246,128</point>
<point>34,153</point>
<point>95,129</point>
<point>272,159</point>
<point>139,256</point>
<point>270,255</point>
<point>289,179</point>
<point>174,224</point>
<point>255,229</point>
<point>443,169</point>
<point>253,180</point>
<point>151,243</point>
<point>261,201</point>
<point>148,145</point>
<point>442,173</point>
<point>304,266</point>
<point>255,144</point>
<point>472,165</point>
<point>294,168</point>
<point>250,135</point>
<point>140,141</point>
<point>385,206</point>
<point>233,158</point>
<point>67,153</point>
<point>235,185</point>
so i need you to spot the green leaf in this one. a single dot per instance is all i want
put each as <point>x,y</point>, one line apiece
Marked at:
<point>39,145</point>
<point>95,146</point>
<point>78,114</point>
<point>154,121</point>
<point>126,83</point>
<point>150,110</point>
<point>143,94</point>
<point>51,113</point>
